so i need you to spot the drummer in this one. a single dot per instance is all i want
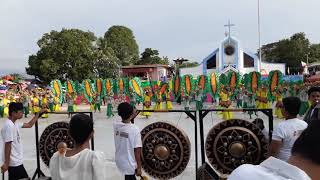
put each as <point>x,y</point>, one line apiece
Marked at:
<point>12,147</point>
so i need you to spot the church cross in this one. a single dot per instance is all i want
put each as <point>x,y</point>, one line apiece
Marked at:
<point>229,27</point>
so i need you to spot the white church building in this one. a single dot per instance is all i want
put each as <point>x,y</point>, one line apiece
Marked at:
<point>230,56</point>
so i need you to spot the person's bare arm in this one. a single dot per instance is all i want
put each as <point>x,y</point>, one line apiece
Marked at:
<point>275,148</point>
<point>34,119</point>
<point>31,122</point>
<point>137,155</point>
<point>7,152</point>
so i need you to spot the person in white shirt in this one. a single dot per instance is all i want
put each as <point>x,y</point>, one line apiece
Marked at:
<point>127,139</point>
<point>13,150</point>
<point>286,132</point>
<point>79,163</point>
<point>304,163</point>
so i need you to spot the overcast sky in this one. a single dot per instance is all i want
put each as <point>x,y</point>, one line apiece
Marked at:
<point>177,28</point>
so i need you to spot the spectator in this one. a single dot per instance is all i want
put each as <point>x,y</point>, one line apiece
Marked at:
<point>79,163</point>
<point>127,139</point>
<point>10,133</point>
<point>286,132</point>
<point>259,123</point>
<point>304,163</point>
<point>305,151</point>
<point>313,111</point>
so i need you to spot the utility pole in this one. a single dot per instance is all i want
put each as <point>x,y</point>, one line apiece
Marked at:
<point>259,34</point>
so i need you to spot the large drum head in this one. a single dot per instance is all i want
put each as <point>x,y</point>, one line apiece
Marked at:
<point>234,142</point>
<point>51,137</point>
<point>166,150</point>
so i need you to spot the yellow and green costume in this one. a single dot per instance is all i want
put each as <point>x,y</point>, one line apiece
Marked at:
<point>262,101</point>
<point>278,111</point>
<point>147,105</point>
<point>35,105</point>
<point>168,101</point>
<point>226,115</point>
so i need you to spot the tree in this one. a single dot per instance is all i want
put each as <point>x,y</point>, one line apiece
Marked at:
<point>151,56</point>
<point>68,54</point>
<point>314,53</point>
<point>106,64</point>
<point>123,43</point>
<point>189,64</point>
<point>290,51</point>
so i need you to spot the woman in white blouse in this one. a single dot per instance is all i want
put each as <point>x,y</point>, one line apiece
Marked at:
<point>79,163</point>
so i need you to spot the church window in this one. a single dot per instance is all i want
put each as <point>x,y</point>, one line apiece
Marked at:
<point>248,61</point>
<point>212,62</point>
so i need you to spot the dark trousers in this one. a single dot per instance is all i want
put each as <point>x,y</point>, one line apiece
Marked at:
<point>17,172</point>
<point>130,177</point>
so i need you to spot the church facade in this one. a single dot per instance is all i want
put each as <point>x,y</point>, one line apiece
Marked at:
<point>230,56</point>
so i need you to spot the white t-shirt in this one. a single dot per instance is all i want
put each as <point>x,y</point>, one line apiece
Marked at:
<point>126,137</point>
<point>10,133</point>
<point>86,165</point>
<point>270,169</point>
<point>288,131</point>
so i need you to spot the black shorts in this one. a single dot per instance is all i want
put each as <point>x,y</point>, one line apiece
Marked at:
<point>130,177</point>
<point>17,172</point>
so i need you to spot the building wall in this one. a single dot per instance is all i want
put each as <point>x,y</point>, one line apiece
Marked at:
<point>195,71</point>
<point>158,72</point>
<point>273,66</point>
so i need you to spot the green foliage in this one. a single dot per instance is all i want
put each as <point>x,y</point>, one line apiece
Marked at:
<point>67,54</point>
<point>189,64</point>
<point>72,54</point>
<point>106,63</point>
<point>314,55</point>
<point>291,51</point>
<point>123,43</point>
<point>151,56</point>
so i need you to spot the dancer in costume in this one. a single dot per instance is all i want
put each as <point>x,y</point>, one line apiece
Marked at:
<point>92,103</point>
<point>44,105</point>
<point>279,106</point>
<point>6,103</point>
<point>304,101</point>
<point>199,98</point>
<point>56,102</point>
<point>158,105</point>
<point>25,102</point>
<point>251,103</point>
<point>225,103</point>
<point>35,104</point>
<point>262,98</point>
<point>147,102</point>
<point>245,98</point>
<point>122,97</point>
<point>239,97</point>
<point>51,101</point>
<point>97,104</point>
<point>186,102</point>
<point>1,105</point>
<point>168,100</point>
<point>132,98</point>
<point>70,102</point>
<point>109,106</point>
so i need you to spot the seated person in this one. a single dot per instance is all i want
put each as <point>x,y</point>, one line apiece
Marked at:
<point>286,132</point>
<point>79,163</point>
<point>304,163</point>
<point>260,124</point>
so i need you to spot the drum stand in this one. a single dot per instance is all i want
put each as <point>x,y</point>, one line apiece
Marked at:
<point>36,128</point>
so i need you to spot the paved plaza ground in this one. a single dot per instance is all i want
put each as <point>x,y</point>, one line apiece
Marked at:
<point>104,136</point>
